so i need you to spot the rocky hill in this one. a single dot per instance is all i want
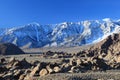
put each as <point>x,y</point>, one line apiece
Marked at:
<point>10,49</point>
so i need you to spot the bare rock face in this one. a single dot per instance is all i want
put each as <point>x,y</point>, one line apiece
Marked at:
<point>9,49</point>
<point>110,44</point>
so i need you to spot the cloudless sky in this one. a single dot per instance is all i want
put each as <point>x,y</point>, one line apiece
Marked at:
<point>21,12</point>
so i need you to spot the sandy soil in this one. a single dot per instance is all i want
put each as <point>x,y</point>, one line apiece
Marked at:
<point>58,49</point>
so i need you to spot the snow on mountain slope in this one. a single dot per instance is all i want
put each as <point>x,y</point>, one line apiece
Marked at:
<point>64,34</point>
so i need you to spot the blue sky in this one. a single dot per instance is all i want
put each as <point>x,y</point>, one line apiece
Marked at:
<point>21,12</point>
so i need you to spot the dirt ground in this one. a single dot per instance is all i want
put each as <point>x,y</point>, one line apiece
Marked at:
<point>89,75</point>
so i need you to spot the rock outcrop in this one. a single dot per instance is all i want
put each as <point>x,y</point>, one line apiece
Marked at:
<point>10,49</point>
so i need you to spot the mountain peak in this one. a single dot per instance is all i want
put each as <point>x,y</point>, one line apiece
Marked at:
<point>62,34</point>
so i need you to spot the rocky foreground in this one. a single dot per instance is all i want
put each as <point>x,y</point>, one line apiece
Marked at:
<point>99,62</point>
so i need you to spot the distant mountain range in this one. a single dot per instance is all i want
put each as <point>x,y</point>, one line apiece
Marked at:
<point>67,34</point>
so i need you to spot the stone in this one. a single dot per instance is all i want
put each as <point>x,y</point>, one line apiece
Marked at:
<point>28,77</point>
<point>55,56</point>
<point>13,68</point>
<point>74,69</point>
<point>78,61</point>
<point>43,72</point>
<point>100,79</point>
<point>50,70</point>
<point>24,64</point>
<point>57,69</point>
<point>65,67</point>
<point>27,71</point>
<point>12,59</point>
<point>16,63</point>
<point>2,60</point>
<point>118,59</point>
<point>12,62</point>
<point>73,62</point>
<point>8,76</point>
<point>100,64</point>
<point>22,77</point>
<point>3,69</point>
<point>33,72</point>
<point>17,73</point>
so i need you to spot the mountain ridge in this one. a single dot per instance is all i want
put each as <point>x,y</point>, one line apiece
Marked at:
<point>64,34</point>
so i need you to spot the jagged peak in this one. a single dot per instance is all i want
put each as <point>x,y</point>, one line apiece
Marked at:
<point>34,23</point>
<point>66,33</point>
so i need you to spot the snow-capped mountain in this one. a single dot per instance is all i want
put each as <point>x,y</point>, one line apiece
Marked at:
<point>64,34</point>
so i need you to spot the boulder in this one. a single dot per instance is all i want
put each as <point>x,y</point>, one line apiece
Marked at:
<point>3,69</point>
<point>24,64</point>
<point>57,69</point>
<point>22,77</point>
<point>17,74</point>
<point>55,56</point>
<point>78,61</point>
<point>35,69</point>
<point>73,62</point>
<point>2,60</point>
<point>74,69</point>
<point>43,72</point>
<point>12,59</point>
<point>50,70</point>
<point>65,67</point>
<point>8,76</point>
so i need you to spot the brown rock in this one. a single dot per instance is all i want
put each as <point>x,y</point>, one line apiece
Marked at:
<point>11,62</point>
<point>65,67</point>
<point>22,77</point>
<point>12,59</point>
<point>74,69</point>
<point>117,59</point>
<point>55,56</point>
<point>28,77</point>
<point>17,73</point>
<point>33,72</point>
<point>57,69</point>
<point>50,70</point>
<point>78,61</point>
<point>43,72</point>
<point>27,71</point>
<point>8,76</point>
<point>73,62</point>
